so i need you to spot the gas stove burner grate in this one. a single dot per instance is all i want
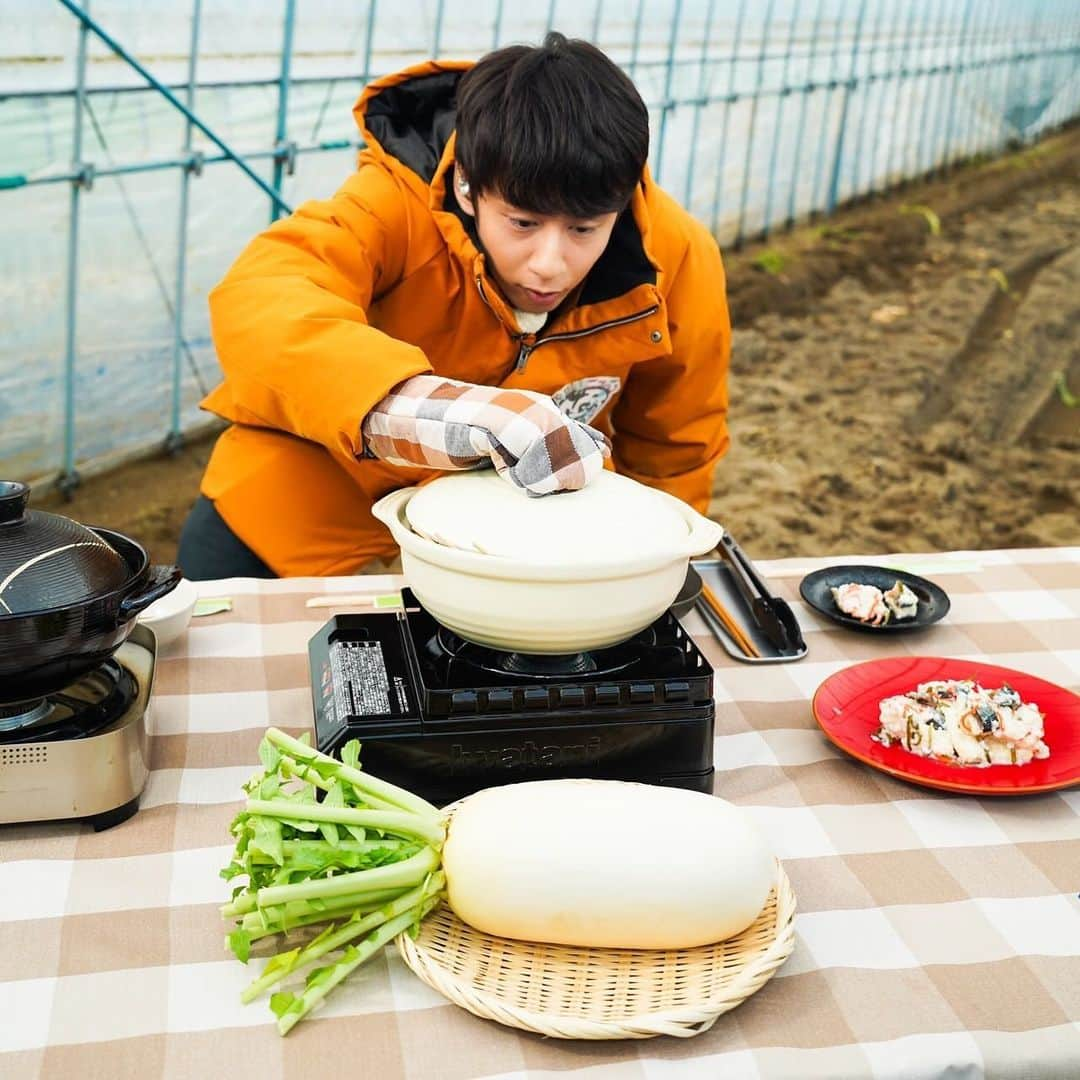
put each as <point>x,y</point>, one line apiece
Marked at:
<point>82,709</point>
<point>20,713</point>
<point>556,666</point>
<point>607,661</point>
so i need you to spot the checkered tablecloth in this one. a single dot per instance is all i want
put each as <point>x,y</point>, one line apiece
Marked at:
<point>937,935</point>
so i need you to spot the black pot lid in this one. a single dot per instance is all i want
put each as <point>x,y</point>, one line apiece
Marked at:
<point>49,561</point>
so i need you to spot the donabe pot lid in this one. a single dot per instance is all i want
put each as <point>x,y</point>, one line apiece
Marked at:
<point>49,561</point>
<point>611,519</point>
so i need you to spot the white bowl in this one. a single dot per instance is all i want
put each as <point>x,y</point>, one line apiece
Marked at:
<point>169,616</point>
<point>548,608</point>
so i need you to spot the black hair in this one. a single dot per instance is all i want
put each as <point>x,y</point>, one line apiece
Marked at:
<point>557,128</point>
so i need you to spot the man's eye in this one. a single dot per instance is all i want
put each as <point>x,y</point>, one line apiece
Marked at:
<point>584,230</point>
<point>521,223</point>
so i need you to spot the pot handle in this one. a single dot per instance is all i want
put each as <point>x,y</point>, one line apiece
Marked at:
<point>705,534</point>
<point>13,499</point>
<point>163,579</point>
<point>387,509</point>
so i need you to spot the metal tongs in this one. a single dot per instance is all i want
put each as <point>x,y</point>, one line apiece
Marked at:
<point>771,614</point>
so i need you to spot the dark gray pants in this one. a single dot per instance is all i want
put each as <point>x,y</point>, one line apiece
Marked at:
<point>210,549</point>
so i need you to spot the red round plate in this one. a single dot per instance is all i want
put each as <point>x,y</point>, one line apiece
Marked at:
<point>846,707</point>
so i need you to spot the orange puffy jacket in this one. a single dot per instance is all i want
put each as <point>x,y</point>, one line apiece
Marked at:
<point>328,309</point>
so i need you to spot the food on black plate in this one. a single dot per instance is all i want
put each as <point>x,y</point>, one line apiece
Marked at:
<point>870,605</point>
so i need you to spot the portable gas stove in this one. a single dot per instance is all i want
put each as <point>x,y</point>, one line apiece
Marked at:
<point>444,717</point>
<point>81,753</point>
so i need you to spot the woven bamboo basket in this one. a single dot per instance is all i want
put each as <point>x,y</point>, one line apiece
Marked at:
<point>568,992</point>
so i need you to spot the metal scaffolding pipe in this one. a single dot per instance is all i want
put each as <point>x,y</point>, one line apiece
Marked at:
<point>834,185</point>
<point>99,32</point>
<point>174,440</point>
<point>82,177</point>
<point>284,154</point>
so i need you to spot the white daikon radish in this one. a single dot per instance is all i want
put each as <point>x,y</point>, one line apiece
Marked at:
<point>604,863</point>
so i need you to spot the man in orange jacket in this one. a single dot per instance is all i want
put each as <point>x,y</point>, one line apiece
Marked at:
<point>500,281</point>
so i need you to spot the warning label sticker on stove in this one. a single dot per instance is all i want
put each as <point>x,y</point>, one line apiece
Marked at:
<point>361,682</point>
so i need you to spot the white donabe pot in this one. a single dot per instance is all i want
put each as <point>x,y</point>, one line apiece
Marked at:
<point>548,607</point>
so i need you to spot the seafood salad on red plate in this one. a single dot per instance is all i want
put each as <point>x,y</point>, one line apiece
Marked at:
<point>962,723</point>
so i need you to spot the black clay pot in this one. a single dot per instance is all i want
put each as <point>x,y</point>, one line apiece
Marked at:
<point>47,643</point>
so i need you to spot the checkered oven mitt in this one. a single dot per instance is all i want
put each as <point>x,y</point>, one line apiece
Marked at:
<point>445,424</point>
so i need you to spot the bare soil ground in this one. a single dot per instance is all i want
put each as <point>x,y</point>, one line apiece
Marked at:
<point>902,378</point>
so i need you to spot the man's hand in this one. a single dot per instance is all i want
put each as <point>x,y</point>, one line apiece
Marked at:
<point>445,424</point>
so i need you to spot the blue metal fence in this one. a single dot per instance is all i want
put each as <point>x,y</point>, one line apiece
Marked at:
<point>762,113</point>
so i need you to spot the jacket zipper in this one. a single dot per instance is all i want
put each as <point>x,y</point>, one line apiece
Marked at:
<point>525,350</point>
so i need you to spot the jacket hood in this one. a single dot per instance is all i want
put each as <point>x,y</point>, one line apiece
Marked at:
<point>409,116</point>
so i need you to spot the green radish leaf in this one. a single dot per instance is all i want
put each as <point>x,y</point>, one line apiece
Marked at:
<point>267,839</point>
<point>318,976</point>
<point>328,770</point>
<point>253,783</point>
<point>306,826</point>
<point>334,797</point>
<point>350,754</point>
<point>282,962</point>
<point>282,1002</point>
<point>331,928</point>
<point>269,788</point>
<point>240,945</point>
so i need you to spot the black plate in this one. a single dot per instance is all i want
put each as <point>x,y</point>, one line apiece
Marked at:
<point>815,589</point>
<point>688,594</point>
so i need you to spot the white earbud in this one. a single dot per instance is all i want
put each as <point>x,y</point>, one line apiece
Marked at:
<point>463,187</point>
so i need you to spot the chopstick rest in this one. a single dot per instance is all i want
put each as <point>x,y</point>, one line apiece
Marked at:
<point>376,600</point>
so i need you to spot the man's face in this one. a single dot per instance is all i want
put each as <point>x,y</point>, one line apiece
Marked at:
<point>537,259</point>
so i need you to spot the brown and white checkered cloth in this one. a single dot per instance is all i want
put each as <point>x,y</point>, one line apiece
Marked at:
<point>937,935</point>
<point>445,424</point>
